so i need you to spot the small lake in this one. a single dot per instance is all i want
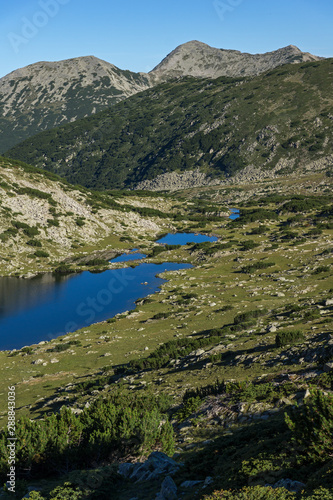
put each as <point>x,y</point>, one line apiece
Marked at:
<point>183,238</point>
<point>234,213</point>
<point>48,306</point>
<point>45,307</point>
<point>127,257</point>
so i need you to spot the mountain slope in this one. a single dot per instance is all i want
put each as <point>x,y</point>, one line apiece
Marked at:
<point>200,60</point>
<point>44,220</point>
<point>46,94</point>
<point>278,121</point>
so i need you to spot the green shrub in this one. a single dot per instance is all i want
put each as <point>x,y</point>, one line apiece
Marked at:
<point>173,349</point>
<point>20,225</point>
<point>312,427</point>
<point>53,222</point>
<point>320,494</point>
<point>34,243</point>
<point>255,266</point>
<point>97,262</point>
<point>289,235</point>
<point>225,308</point>
<point>120,425</point>
<point>41,253</point>
<point>260,230</point>
<point>31,231</point>
<point>80,222</point>
<point>253,493</point>
<point>312,315</point>
<point>321,269</point>
<point>207,390</point>
<point>27,350</point>
<point>162,315</point>
<point>288,337</point>
<point>12,231</point>
<point>63,269</point>
<point>64,346</point>
<point>190,406</point>
<point>255,215</point>
<point>243,317</point>
<point>250,392</point>
<point>248,245</point>
<point>157,250</point>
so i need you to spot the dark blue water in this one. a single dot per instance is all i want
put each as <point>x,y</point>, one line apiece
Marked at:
<point>44,308</point>
<point>126,257</point>
<point>183,238</point>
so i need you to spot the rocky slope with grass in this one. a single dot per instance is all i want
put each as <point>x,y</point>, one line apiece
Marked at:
<point>211,364</point>
<point>44,220</point>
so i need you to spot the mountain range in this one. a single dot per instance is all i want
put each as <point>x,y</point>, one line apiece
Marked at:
<point>44,95</point>
<point>213,129</point>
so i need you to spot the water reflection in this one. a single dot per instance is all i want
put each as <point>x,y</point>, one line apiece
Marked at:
<point>20,294</point>
<point>45,308</point>
<point>183,238</point>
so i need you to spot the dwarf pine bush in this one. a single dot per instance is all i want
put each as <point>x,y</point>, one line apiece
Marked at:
<point>312,426</point>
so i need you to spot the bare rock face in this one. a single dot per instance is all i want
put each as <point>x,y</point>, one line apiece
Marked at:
<point>200,60</point>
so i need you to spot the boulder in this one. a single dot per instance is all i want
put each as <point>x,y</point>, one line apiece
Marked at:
<point>126,469</point>
<point>209,480</point>
<point>290,485</point>
<point>157,463</point>
<point>168,490</point>
<point>328,366</point>
<point>188,485</point>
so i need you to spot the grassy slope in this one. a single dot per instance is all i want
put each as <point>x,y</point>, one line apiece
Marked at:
<point>216,282</point>
<point>31,112</point>
<point>281,119</point>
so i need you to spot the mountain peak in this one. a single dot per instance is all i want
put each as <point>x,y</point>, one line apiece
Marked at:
<point>198,59</point>
<point>55,93</point>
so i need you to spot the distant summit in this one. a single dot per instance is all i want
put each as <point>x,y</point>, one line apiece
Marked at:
<point>200,60</point>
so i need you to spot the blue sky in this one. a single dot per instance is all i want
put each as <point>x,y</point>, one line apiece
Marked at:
<point>137,34</point>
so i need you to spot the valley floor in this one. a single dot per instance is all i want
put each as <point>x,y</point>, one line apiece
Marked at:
<point>230,345</point>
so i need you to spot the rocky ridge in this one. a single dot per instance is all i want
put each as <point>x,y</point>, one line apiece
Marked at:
<point>200,60</point>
